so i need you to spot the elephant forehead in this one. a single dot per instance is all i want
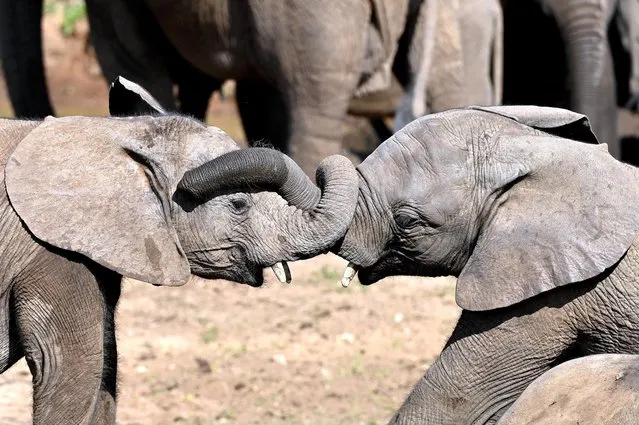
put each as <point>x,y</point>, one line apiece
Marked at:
<point>207,145</point>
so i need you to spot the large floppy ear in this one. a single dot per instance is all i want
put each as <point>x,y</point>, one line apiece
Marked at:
<point>127,98</point>
<point>563,212</point>
<point>556,121</point>
<point>89,185</point>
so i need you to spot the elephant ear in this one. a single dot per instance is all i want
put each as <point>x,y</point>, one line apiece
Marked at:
<point>556,121</point>
<point>85,185</point>
<point>565,212</point>
<point>127,98</point>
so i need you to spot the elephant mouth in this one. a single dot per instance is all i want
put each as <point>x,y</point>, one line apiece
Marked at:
<point>247,274</point>
<point>204,264</point>
<point>391,265</point>
<point>365,275</point>
<point>211,264</point>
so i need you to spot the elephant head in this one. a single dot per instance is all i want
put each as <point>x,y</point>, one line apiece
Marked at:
<point>512,200</point>
<point>136,195</point>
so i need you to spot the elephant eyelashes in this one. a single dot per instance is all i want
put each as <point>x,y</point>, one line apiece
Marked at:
<point>405,221</point>
<point>406,218</point>
<point>239,205</point>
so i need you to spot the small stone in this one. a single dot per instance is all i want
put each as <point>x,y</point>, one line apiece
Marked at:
<point>203,365</point>
<point>141,369</point>
<point>398,318</point>
<point>280,359</point>
<point>347,337</point>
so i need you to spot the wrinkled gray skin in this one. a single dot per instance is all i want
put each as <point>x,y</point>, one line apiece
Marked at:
<point>89,200</point>
<point>539,229</point>
<point>600,389</point>
<point>341,48</point>
<point>557,53</point>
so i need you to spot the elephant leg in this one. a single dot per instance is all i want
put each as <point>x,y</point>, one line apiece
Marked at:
<point>584,29</point>
<point>318,80</point>
<point>62,313</point>
<point>22,62</point>
<point>195,88</point>
<point>488,361</point>
<point>262,110</point>
<point>194,94</point>
<point>10,349</point>
<point>129,42</point>
<point>603,113</point>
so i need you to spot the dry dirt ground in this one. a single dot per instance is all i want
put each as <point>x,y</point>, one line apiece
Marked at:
<point>213,352</point>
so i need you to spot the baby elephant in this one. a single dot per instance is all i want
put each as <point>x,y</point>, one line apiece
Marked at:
<point>537,221</point>
<point>85,201</point>
<point>602,389</point>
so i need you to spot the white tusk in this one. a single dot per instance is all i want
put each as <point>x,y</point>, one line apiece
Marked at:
<point>349,274</point>
<point>282,272</point>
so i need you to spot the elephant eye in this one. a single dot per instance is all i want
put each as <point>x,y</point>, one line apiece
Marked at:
<point>239,205</point>
<point>406,221</point>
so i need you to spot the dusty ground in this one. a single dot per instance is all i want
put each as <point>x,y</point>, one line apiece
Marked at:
<point>217,353</point>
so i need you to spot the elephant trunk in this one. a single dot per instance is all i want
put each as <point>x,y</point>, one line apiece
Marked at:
<point>21,51</point>
<point>318,217</point>
<point>583,26</point>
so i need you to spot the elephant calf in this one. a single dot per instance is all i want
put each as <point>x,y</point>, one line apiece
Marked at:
<point>601,389</point>
<point>85,201</point>
<point>537,221</point>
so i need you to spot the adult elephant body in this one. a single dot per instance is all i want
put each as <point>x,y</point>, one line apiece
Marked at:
<point>558,53</point>
<point>538,222</point>
<point>297,63</point>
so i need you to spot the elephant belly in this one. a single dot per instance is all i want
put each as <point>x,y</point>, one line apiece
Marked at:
<point>210,34</point>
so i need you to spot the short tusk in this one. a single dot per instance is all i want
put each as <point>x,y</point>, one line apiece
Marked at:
<point>349,274</point>
<point>282,272</point>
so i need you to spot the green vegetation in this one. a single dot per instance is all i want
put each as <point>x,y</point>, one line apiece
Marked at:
<point>210,334</point>
<point>73,11</point>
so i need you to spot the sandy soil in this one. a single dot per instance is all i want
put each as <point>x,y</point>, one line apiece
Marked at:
<point>213,352</point>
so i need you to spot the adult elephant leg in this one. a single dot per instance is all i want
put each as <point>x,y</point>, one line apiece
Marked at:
<point>195,88</point>
<point>194,94</point>
<point>319,75</point>
<point>61,312</point>
<point>263,113</point>
<point>584,27</point>
<point>489,360</point>
<point>129,42</point>
<point>22,62</point>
